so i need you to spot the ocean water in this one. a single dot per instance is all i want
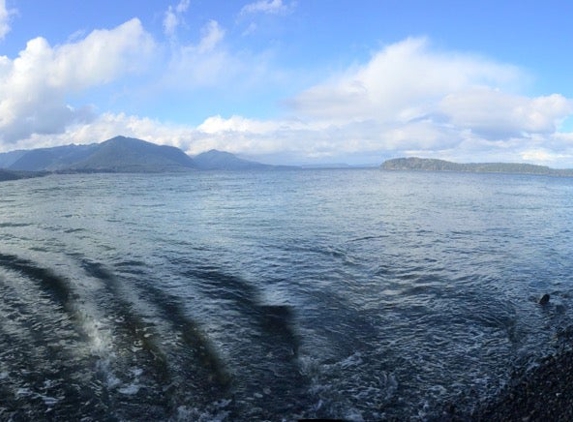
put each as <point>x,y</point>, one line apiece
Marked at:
<point>223,296</point>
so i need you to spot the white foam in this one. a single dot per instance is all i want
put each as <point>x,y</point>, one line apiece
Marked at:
<point>49,401</point>
<point>185,413</point>
<point>130,390</point>
<point>23,392</point>
<point>353,415</point>
<point>26,392</point>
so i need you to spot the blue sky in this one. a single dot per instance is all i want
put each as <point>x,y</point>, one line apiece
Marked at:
<point>282,81</point>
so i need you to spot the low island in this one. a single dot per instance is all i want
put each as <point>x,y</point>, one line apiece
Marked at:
<point>427,164</point>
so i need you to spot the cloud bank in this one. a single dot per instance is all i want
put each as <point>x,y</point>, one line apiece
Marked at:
<point>35,85</point>
<point>408,98</point>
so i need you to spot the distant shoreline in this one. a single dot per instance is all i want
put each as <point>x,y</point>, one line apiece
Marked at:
<point>429,164</point>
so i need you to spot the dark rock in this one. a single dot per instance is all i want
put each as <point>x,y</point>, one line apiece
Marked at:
<point>544,393</point>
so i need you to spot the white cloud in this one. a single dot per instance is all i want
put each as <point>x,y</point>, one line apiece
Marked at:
<point>539,155</point>
<point>4,19</point>
<point>108,125</point>
<point>408,99</point>
<point>265,6</point>
<point>402,82</point>
<point>207,63</point>
<point>35,85</point>
<point>496,115</point>
<point>212,35</point>
<point>170,22</point>
<point>182,6</point>
<point>102,56</point>
<point>217,124</point>
<point>173,18</point>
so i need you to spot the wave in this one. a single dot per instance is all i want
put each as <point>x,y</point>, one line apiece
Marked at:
<point>126,347</point>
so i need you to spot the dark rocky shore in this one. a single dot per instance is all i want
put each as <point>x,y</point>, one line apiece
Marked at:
<point>544,393</point>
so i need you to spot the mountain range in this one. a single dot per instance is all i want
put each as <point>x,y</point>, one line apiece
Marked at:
<point>129,155</point>
<point>427,164</point>
<point>120,155</point>
<point>219,160</point>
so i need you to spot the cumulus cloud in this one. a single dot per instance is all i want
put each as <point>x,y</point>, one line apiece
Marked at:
<point>407,99</point>
<point>217,124</point>
<point>173,17</point>
<point>108,125</point>
<point>35,85</point>
<point>497,115</point>
<point>414,98</point>
<point>401,82</point>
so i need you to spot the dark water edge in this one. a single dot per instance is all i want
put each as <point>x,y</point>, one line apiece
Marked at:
<point>544,394</point>
<point>541,393</point>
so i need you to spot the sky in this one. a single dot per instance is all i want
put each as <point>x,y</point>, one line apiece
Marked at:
<point>294,82</point>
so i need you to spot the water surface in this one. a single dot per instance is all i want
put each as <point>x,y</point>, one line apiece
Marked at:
<point>355,294</point>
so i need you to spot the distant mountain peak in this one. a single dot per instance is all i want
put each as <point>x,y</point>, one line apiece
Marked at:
<point>126,139</point>
<point>218,153</point>
<point>117,138</point>
<point>122,154</point>
<point>125,154</point>
<point>117,154</point>
<point>220,160</point>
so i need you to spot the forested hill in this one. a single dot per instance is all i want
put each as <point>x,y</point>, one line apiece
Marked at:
<point>120,155</point>
<point>427,164</point>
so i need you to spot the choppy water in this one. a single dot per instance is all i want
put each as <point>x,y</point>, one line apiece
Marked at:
<point>354,294</point>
